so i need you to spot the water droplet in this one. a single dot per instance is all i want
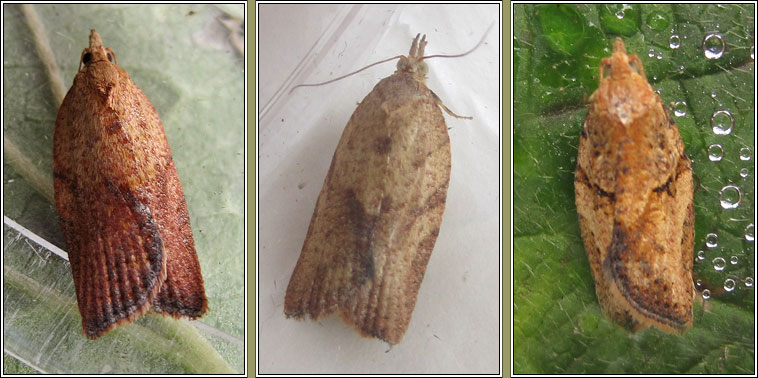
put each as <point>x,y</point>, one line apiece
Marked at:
<point>729,284</point>
<point>658,21</point>
<point>722,122</point>
<point>701,255</point>
<point>680,108</point>
<point>715,152</point>
<point>719,263</point>
<point>744,172</point>
<point>713,46</point>
<point>750,232</point>
<point>674,42</point>
<point>745,153</point>
<point>651,53</point>
<point>749,281</point>
<point>734,260</point>
<point>699,283</point>
<point>730,196</point>
<point>706,294</point>
<point>620,9</point>
<point>713,94</point>
<point>711,240</point>
<point>659,56</point>
<point>752,52</point>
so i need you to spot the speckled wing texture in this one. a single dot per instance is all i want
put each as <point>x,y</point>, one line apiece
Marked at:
<point>379,212</point>
<point>120,203</point>
<point>633,187</point>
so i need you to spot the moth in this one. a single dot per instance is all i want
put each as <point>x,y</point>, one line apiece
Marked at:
<point>379,211</point>
<point>120,204</point>
<point>633,186</point>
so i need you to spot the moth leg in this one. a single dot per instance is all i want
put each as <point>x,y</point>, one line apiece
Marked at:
<point>448,111</point>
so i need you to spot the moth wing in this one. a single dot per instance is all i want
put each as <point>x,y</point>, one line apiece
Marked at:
<point>631,292</point>
<point>182,293</point>
<point>123,237</point>
<point>595,210</point>
<point>114,247</point>
<point>377,216</point>
<point>654,283</point>
<point>114,242</point>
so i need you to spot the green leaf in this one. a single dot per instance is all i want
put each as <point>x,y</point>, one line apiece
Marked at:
<point>558,325</point>
<point>624,19</point>
<point>561,26</point>
<point>180,56</point>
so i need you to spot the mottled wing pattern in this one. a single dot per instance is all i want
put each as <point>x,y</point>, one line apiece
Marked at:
<point>633,187</point>
<point>620,278</point>
<point>657,284</point>
<point>378,214</point>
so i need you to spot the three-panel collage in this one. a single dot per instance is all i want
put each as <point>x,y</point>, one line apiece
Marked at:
<point>378,189</point>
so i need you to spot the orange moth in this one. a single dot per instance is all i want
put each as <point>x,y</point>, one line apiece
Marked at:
<point>120,203</point>
<point>633,187</point>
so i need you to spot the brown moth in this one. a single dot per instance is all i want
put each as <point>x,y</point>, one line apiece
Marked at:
<point>120,204</point>
<point>379,212</point>
<point>633,187</point>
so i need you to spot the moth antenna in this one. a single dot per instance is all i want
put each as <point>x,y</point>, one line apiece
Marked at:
<point>416,49</point>
<point>344,76</point>
<point>481,41</point>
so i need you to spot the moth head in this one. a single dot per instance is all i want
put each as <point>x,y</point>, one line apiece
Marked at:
<point>620,65</point>
<point>98,66</point>
<point>96,52</point>
<point>413,66</point>
<point>414,62</point>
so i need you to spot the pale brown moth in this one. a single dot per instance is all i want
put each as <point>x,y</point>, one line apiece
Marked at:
<point>379,212</point>
<point>633,187</point>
